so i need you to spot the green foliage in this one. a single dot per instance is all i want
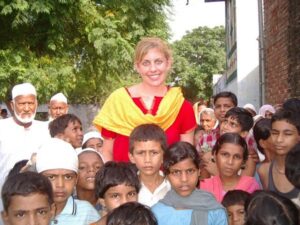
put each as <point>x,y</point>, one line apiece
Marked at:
<point>197,56</point>
<point>83,48</point>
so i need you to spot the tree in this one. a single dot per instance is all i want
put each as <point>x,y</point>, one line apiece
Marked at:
<point>83,48</point>
<point>197,56</point>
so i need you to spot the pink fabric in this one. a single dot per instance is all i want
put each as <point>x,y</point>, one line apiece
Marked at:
<point>214,186</point>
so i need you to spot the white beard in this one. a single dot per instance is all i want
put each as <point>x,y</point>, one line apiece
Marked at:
<point>26,119</point>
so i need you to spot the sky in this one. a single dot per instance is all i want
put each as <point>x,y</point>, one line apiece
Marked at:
<point>196,13</point>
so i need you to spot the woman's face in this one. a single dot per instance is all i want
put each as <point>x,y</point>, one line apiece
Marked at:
<point>154,68</point>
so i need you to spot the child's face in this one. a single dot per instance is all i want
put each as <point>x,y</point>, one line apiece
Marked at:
<point>148,157</point>
<point>222,105</point>
<point>184,177</point>
<point>231,125</point>
<point>30,209</point>
<point>95,143</point>
<point>89,164</point>
<point>284,136</point>
<point>118,195</point>
<point>63,182</point>
<point>236,214</point>
<point>73,134</point>
<point>229,159</point>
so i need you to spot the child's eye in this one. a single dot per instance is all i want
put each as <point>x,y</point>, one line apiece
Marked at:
<point>42,211</point>
<point>68,177</point>
<point>20,214</point>
<point>242,212</point>
<point>51,177</point>
<point>176,172</point>
<point>237,157</point>
<point>132,194</point>
<point>190,171</point>
<point>81,167</point>
<point>115,195</point>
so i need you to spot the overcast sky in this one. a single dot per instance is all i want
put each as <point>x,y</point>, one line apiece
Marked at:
<point>196,13</point>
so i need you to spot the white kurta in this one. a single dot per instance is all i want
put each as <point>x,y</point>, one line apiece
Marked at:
<point>18,143</point>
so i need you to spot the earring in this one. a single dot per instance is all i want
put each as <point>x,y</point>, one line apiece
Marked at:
<point>243,166</point>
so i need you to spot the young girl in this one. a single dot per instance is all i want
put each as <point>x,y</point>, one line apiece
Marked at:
<point>185,204</point>
<point>230,154</point>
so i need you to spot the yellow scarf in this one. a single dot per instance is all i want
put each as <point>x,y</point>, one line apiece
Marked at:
<point>121,115</point>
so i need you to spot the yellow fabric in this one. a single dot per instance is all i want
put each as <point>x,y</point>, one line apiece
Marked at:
<point>121,115</point>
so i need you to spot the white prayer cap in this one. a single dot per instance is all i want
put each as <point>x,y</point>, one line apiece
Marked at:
<point>23,89</point>
<point>80,151</point>
<point>250,106</point>
<point>91,134</point>
<point>56,154</point>
<point>59,97</point>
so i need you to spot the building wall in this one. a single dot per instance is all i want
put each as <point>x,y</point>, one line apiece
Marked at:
<point>282,47</point>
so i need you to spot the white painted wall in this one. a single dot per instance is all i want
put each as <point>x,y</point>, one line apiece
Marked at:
<point>246,84</point>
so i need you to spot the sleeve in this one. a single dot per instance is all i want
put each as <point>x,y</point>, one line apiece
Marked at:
<point>108,134</point>
<point>93,215</point>
<point>217,217</point>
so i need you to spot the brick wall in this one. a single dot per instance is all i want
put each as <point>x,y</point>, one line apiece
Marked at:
<point>282,43</point>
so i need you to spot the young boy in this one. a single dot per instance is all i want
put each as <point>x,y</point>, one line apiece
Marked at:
<point>147,144</point>
<point>239,120</point>
<point>116,184</point>
<point>285,134</point>
<point>224,101</point>
<point>90,162</point>
<point>58,161</point>
<point>67,127</point>
<point>27,199</point>
<point>184,204</point>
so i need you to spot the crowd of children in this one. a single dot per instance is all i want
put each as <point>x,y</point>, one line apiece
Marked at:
<point>241,168</point>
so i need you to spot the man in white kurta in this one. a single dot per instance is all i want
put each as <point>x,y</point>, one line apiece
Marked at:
<point>20,135</point>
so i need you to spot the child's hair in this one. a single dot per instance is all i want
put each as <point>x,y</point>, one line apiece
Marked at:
<point>235,197</point>
<point>178,152</point>
<point>226,94</point>
<point>262,130</point>
<point>292,166</point>
<point>243,117</point>
<point>17,168</point>
<point>292,104</point>
<point>131,213</point>
<point>25,184</point>
<point>58,125</point>
<point>147,132</point>
<point>288,116</point>
<point>232,138</point>
<point>269,208</point>
<point>113,174</point>
<point>148,43</point>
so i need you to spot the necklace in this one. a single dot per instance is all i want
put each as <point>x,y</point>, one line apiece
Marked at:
<point>277,170</point>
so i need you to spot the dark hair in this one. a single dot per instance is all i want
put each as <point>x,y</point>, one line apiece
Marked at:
<point>226,94</point>
<point>262,130</point>
<point>58,125</point>
<point>292,104</point>
<point>243,117</point>
<point>17,168</point>
<point>147,132</point>
<point>113,174</point>
<point>269,208</point>
<point>288,116</point>
<point>292,166</point>
<point>131,213</point>
<point>25,184</point>
<point>232,138</point>
<point>235,197</point>
<point>178,152</point>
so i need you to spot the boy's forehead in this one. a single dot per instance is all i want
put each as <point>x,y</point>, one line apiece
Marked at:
<point>223,100</point>
<point>146,143</point>
<point>29,202</point>
<point>283,124</point>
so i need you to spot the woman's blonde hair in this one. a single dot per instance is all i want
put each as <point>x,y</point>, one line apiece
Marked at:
<point>147,43</point>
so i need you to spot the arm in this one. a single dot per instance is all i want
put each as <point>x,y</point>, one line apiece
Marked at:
<point>188,137</point>
<point>263,172</point>
<point>217,217</point>
<point>250,167</point>
<point>107,149</point>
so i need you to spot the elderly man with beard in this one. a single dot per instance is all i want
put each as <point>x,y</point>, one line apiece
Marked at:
<point>20,135</point>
